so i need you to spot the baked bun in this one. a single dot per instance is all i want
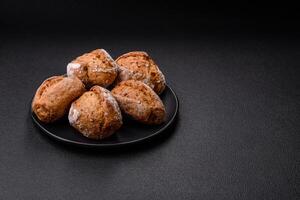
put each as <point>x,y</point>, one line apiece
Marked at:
<point>94,68</point>
<point>138,65</point>
<point>138,100</point>
<point>95,114</point>
<point>54,97</point>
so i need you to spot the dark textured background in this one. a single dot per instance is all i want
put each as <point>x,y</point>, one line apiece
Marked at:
<point>235,70</point>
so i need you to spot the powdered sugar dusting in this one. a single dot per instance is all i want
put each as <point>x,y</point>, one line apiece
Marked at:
<point>74,114</point>
<point>107,95</point>
<point>85,132</point>
<point>110,58</point>
<point>148,82</point>
<point>125,74</point>
<point>104,70</point>
<point>153,93</point>
<point>139,107</point>
<point>107,54</point>
<point>71,67</point>
<point>162,77</point>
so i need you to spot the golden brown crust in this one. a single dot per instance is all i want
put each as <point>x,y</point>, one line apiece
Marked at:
<point>94,68</point>
<point>138,100</point>
<point>95,114</point>
<point>138,65</point>
<point>53,98</point>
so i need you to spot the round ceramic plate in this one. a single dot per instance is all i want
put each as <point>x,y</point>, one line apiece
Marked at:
<point>130,133</point>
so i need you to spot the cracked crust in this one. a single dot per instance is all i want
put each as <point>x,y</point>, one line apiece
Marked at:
<point>94,68</point>
<point>138,65</point>
<point>138,100</point>
<point>96,114</point>
<point>53,98</point>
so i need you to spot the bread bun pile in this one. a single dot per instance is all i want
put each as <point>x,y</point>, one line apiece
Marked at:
<point>92,109</point>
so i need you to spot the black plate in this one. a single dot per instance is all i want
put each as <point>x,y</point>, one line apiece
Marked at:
<point>130,133</point>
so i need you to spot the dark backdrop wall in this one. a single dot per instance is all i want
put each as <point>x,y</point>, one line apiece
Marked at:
<point>235,69</point>
<point>149,15</point>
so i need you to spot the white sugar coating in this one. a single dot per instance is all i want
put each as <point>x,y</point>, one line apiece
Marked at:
<point>125,74</point>
<point>82,129</point>
<point>110,58</point>
<point>71,67</point>
<point>153,93</point>
<point>107,95</point>
<point>74,114</point>
<point>104,70</point>
<point>148,82</point>
<point>138,75</point>
<point>162,77</point>
<point>140,109</point>
<point>107,54</point>
<point>85,132</point>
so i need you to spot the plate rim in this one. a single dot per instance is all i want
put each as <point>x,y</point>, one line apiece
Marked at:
<point>72,142</point>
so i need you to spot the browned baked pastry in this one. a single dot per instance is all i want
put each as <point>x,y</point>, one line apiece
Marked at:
<point>138,65</point>
<point>54,97</point>
<point>94,68</point>
<point>138,100</point>
<point>96,114</point>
